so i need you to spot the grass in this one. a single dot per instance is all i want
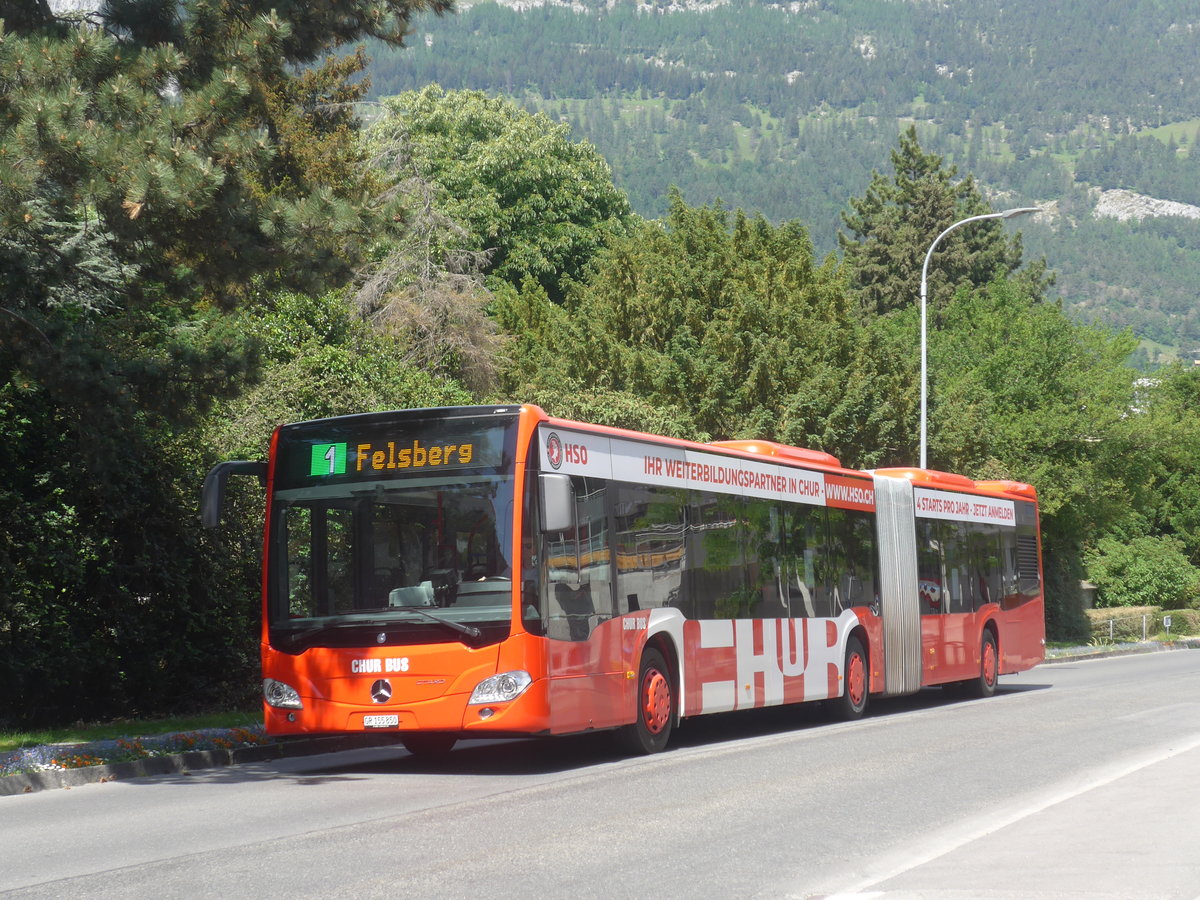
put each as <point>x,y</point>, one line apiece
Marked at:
<point>105,731</point>
<point>1181,132</point>
<point>1158,354</point>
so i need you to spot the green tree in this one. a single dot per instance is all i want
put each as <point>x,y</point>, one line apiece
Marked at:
<point>1145,571</point>
<point>723,320</point>
<point>425,288</point>
<point>1019,391</point>
<point>1164,440</point>
<point>1154,545</point>
<point>173,135</point>
<point>320,359</point>
<point>894,223</point>
<point>539,203</point>
<point>535,326</point>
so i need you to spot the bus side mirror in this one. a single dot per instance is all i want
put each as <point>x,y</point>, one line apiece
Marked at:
<point>557,499</point>
<point>212,495</point>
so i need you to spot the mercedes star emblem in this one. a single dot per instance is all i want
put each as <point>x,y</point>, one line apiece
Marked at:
<point>381,691</point>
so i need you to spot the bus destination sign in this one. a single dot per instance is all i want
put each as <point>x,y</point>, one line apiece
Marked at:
<point>368,456</point>
<point>385,446</point>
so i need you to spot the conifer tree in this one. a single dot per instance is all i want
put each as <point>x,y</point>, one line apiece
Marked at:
<point>894,223</point>
<point>181,131</point>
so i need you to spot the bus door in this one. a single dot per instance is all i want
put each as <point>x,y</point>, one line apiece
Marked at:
<point>949,631</point>
<point>931,585</point>
<point>586,670</point>
<point>959,632</point>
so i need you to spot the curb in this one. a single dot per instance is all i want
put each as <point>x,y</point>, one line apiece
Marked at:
<point>1086,653</point>
<point>183,763</point>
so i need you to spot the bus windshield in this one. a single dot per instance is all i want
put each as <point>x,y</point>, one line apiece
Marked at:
<point>392,528</point>
<point>410,561</point>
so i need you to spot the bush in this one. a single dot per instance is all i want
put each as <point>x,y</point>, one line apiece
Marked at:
<point>1126,624</point>
<point>1184,622</point>
<point>1143,571</point>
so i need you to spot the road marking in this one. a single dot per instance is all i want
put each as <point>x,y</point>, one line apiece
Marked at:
<point>950,838</point>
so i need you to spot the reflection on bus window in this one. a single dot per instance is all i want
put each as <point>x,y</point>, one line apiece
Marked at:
<point>765,558</point>
<point>929,566</point>
<point>853,558</point>
<point>805,562</point>
<point>723,556</point>
<point>579,567</point>
<point>650,547</point>
<point>715,575</point>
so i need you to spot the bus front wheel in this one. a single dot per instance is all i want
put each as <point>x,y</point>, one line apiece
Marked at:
<point>655,707</point>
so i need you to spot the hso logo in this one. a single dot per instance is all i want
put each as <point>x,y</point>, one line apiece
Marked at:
<point>554,450</point>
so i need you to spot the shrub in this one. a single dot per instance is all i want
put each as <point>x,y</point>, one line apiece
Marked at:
<point>1184,622</point>
<point>1143,571</point>
<point>1124,624</point>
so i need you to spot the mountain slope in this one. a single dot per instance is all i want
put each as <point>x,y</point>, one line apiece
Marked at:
<point>786,109</point>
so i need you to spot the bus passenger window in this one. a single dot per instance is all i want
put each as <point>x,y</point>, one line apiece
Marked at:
<point>715,578</point>
<point>764,559</point>
<point>532,612</point>
<point>650,547</point>
<point>856,562</point>
<point>804,561</point>
<point>987,566</point>
<point>959,591</point>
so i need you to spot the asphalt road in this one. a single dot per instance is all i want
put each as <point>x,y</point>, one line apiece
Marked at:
<point>1078,779</point>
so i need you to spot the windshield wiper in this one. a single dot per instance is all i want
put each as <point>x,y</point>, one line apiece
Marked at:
<point>469,630</point>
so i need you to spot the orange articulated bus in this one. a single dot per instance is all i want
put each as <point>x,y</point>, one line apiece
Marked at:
<point>487,571</point>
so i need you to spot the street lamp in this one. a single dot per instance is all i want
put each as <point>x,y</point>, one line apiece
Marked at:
<point>1006,214</point>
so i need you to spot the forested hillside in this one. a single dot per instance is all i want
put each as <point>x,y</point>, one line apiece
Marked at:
<point>787,108</point>
<point>200,239</point>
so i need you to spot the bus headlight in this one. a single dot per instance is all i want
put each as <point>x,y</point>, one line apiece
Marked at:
<point>281,695</point>
<point>501,688</point>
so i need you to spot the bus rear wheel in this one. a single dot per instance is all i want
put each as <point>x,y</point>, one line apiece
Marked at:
<point>430,744</point>
<point>989,668</point>
<point>655,707</point>
<point>853,702</point>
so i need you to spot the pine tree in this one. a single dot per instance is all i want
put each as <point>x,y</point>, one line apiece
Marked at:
<point>894,223</point>
<point>181,130</point>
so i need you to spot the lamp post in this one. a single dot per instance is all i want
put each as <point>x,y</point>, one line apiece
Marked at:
<point>1006,214</point>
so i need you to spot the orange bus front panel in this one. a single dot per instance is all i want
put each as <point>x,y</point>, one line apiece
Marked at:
<point>423,687</point>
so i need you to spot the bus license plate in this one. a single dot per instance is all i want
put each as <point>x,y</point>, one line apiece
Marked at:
<point>381,721</point>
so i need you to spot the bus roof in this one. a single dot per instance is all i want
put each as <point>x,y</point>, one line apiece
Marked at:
<point>950,481</point>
